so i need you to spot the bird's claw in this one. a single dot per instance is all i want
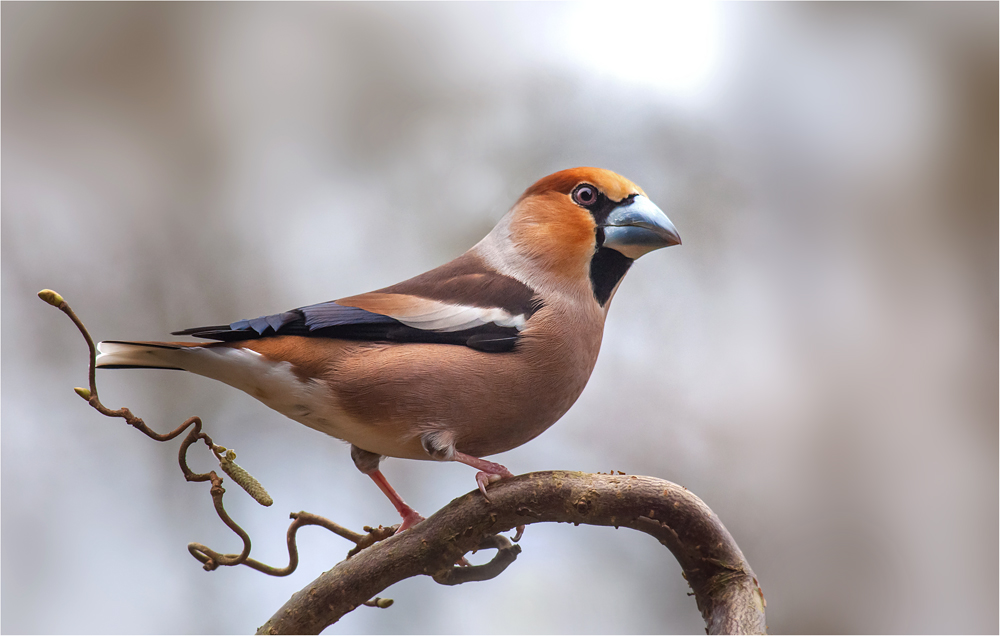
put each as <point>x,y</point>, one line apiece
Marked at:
<point>484,479</point>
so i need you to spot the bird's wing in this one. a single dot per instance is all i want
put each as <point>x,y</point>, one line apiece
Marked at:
<point>463,302</point>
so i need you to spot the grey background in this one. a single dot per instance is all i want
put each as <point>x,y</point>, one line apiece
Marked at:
<point>818,361</point>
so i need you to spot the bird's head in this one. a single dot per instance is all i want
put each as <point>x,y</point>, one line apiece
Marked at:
<point>585,223</point>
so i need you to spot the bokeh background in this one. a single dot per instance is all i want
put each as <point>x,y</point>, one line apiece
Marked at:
<point>818,361</point>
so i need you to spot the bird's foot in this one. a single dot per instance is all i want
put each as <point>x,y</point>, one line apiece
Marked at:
<point>410,518</point>
<point>489,472</point>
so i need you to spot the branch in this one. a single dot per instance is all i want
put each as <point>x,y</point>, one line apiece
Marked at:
<point>724,586</point>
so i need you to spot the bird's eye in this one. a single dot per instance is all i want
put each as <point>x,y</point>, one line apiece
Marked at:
<point>585,194</point>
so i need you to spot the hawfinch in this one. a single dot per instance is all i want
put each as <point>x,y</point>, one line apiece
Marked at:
<point>470,359</point>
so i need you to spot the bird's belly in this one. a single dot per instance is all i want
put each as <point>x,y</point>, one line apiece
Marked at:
<point>487,402</point>
<point>312,402</point>
<point>507,426</point>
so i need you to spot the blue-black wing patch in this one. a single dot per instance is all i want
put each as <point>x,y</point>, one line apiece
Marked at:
<point>330,320</point>
<point>330,314</point>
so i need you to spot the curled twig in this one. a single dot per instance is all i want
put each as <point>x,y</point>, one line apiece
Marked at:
<point>208,557</point>
<point>300,519</point>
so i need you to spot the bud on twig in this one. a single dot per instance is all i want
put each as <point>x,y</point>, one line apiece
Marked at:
<point>82,392</point>
<point>50,297</point>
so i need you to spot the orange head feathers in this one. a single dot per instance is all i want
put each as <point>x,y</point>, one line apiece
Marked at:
<point>566,220</point>
<point>615,186</point>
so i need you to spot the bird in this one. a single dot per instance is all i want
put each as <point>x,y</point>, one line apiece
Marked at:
<point>467,360</point>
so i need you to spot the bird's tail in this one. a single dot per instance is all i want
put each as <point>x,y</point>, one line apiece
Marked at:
<point>115,354</point>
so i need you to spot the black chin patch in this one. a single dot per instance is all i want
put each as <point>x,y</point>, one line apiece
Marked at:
<point>607,267</point>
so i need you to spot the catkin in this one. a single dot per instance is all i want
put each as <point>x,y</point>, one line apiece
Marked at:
<point>246,481</point>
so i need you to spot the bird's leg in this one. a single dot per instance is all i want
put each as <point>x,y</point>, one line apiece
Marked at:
<point>367,462</point>
<point>410,516</point>
<point>441,446</point>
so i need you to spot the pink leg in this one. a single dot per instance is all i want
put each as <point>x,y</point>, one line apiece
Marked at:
<point>410,516</point>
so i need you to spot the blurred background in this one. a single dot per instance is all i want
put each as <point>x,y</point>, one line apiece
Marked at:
<point>818,361</point>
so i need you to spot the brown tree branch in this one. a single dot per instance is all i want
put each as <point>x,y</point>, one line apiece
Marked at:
<point>725,587</point>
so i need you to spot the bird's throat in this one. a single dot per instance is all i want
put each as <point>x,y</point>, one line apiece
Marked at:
<point>607,267</point>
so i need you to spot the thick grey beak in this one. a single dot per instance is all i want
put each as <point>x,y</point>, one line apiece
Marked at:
<point>638,228</point>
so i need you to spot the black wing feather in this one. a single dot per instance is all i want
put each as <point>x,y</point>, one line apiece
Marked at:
<point>330,320</point>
